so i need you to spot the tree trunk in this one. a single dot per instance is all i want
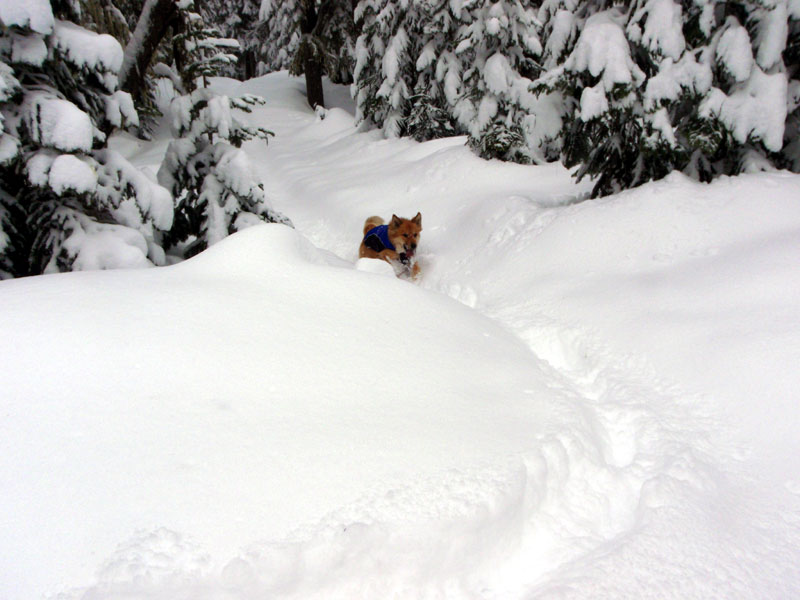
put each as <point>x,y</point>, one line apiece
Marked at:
<point>156,18</point>
<point>312,61</point>
<point>247,64</point>
<point>314,90</point>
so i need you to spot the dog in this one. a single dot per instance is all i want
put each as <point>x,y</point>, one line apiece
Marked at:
<point>395,242</point>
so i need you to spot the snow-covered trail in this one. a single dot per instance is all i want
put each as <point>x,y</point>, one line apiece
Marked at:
<point>641,488</point>
<point>328,178</point>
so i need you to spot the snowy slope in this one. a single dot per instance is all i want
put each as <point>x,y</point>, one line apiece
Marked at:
<point>242,394</point>
<point>608,410</point>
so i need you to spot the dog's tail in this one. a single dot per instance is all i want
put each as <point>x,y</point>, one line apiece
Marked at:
<point>372,222</point>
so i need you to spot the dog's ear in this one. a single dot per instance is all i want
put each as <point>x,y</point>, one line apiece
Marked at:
<point>418,219</point>
<point>396,221</point>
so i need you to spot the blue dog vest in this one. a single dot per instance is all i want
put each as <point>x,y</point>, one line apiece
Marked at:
<point>377,239</point>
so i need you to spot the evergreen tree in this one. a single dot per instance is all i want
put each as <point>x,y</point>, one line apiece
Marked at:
<point>309,37</point>
<point>199,51</point>
<point>790,158</point>
<point>236,19</point>
<point>437,77</point>
<point>114,18</point>
<point>746,117</point>
<point>66,202</point>
<point>277,35</point>
<point>148,47</point>
<point>498,46</point>
<point>338,34</point>
<point>391,40</point>
<point>600,80</point>
<point>212,180</point>
<point>654,89</point>
<point>433,68</point>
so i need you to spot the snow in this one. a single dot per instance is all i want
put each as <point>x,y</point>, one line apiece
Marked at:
<point>37,167</point>
<point>34,14</point>
<point>120,110</point>
<point>86,49</point>
<point>773,31</point>
<point>563,28</point>
<point>219,117</point>
<point>493,26</point>
<point>496,73</point>
<point>235,171</point>
<point>663,30</point>
<point>734,52</point>
<point>593,102</point>
<point>755,109</point>
<point>28,49</point>
<point>660,122</point>
<point>545,121</point>
<point>452,84</point>
<point>57,123</point>
<point>9,84</point>
<point>603,51</point>
<point>666,85</point>
<point>487,109</point>
<point>426,56</point>
<point>265,9</point>
<point>99,246</point>
<point>578,399</point>
<point>9,147</point>
<point>153,201</point>
<point>390,63</point>
<point>69,173</point>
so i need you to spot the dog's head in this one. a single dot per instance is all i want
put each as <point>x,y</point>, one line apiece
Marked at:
<point>404,234</point>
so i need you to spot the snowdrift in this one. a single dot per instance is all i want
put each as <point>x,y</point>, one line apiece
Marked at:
<point>246,392</point>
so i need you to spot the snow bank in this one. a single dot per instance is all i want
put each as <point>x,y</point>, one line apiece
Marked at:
<point>229,400</point>
<point>694,277</point>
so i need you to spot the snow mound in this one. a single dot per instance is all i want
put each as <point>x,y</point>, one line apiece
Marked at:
<point>372,265</point>
<point>143,425</point>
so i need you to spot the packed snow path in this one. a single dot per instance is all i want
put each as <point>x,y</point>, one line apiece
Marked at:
<point>577,400</point>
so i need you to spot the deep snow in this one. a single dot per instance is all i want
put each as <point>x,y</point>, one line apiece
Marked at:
<point>608,410</point>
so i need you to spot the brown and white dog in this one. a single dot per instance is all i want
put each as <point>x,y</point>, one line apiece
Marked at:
<point>395,242</point>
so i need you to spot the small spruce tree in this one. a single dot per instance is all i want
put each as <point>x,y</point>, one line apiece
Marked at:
<point>67,202</point>
<point>212,180</point>
<point>498,46</point>
<point>437,75</point>
<point>386,54</point>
